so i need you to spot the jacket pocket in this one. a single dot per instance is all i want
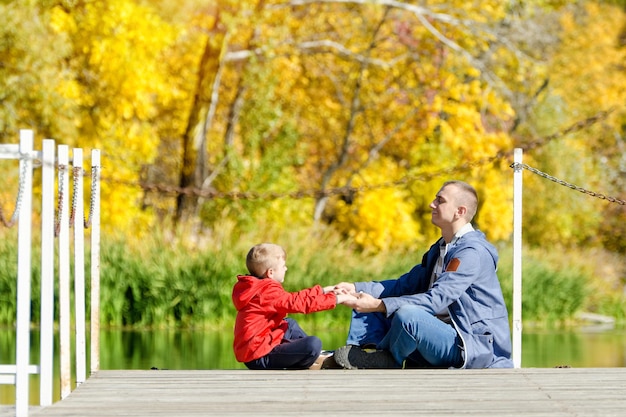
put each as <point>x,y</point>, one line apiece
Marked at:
<point>483,349</point>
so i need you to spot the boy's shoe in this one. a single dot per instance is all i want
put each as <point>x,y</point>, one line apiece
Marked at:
<point>355,357</point>
<point>324,361</point>
<point>330,363</point>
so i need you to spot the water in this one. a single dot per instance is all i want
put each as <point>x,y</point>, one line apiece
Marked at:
<point>176,349</point>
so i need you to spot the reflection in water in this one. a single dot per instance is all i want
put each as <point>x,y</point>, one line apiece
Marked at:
<point>577,349</point>
<point>167,349</point>
<point>176,349</point>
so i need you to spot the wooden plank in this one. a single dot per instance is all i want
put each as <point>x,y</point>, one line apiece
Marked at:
<point>512,392</point>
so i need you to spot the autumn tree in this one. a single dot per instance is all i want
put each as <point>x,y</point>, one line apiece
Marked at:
<point>349,113</point>
<point>120,85</point>
<point>367,88</point>
<point>37,90</point>
<point>584,76</point>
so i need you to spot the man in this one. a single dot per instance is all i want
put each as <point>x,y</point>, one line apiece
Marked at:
<point>446,312</point>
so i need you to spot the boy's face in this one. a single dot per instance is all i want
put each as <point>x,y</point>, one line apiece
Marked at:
<point>278,272</point>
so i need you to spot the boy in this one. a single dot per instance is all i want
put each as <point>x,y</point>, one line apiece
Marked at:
<point>264,337</point>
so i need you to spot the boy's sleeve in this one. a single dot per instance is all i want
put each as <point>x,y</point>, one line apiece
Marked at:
<point>305,301</point>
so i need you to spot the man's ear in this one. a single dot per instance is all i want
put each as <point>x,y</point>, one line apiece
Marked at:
<point>461,211</point>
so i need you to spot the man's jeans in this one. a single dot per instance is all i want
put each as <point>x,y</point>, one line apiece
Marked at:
<point>411,334</point>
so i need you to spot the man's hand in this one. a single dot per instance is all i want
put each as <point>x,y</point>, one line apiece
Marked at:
<point>336,290</point>
<point>343,298</point>
<point>365,303</point>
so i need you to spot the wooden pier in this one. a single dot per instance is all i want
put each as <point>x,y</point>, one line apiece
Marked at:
<point>513,392</point>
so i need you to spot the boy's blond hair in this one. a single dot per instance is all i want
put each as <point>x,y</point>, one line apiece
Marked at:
<point>263,257</point>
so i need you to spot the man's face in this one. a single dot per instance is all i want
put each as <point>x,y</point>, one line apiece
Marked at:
<point>443,207</point>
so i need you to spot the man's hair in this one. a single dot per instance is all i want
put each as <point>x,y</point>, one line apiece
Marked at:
<point>467,197</point>
<point>263,257</point>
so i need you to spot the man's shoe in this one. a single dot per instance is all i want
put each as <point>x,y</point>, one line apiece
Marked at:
<point>354,357</point>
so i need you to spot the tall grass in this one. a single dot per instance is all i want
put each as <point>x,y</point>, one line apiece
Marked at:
<point>186,280</point>
<point>186,285</point>
<point>8,282</point>
<point>559,283</point>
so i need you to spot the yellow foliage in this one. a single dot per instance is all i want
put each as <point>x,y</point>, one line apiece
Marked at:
<point>586,76</point>
<point>369,93</point>
<point>117,46</point>
<point>380,219</point>
<point>496,197</point>
<point>589,65</point>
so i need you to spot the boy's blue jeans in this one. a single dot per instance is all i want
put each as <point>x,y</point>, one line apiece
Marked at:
<point>296,351</point>
<point>411,334</point>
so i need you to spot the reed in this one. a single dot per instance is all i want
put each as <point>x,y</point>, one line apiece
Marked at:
<point>551,294</point>
<point>185,280</point>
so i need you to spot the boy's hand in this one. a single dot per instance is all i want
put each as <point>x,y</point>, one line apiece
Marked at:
<point>342,288</point>
<point>330,288</point>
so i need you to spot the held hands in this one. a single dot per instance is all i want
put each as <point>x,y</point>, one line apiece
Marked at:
<point>361,302</point>
<point>365,303</point>
<point>342,294</point>
<point>344,298</point>
<point>348,287</point>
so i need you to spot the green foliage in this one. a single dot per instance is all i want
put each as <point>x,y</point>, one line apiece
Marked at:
<point>614,305</point>
<point>551,295</point>
<point>567,293</point>
<point>8,284</point>
<point>163,286</point>
<point>8,279</point>
<point>186,282</point>
<point>170,285</point>
<point>179,285</point>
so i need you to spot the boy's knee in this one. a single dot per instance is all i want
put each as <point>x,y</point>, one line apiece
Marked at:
<point>314,345</point>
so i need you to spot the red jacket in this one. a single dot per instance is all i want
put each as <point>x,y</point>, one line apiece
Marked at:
<point>262,305</point>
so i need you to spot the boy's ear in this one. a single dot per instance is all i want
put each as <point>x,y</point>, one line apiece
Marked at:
<point>269,273</point>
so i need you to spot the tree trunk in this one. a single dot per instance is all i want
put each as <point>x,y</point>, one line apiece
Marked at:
<point>194,158</point>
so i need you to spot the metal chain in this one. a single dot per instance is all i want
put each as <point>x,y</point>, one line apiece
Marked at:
<point>57,223</point>
<point>76,171</point>
<point>18,200</point>
<point>349,190</point>
<point>312,193</point>
<point>517,166</point>
<point>92,199</point>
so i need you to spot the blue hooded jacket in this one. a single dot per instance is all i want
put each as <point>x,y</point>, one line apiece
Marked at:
<point>469,288</point>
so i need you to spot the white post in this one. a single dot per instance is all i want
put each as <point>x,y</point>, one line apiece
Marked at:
<point>95,261</point>
<point>46,349</point>
<point>64,272</point>
<point>517,260</point>
<point>22,353</point>
<point>18,374</point>
<point>79,265</point>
